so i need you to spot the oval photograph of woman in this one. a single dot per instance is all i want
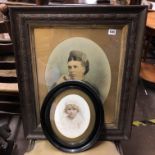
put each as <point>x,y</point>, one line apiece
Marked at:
<point>72,116</point>
<point>79,58</point>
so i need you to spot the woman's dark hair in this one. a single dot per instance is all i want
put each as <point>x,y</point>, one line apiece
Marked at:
<point>79,56</point>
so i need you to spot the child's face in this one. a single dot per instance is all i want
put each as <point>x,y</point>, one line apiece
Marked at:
<point>71,111</point>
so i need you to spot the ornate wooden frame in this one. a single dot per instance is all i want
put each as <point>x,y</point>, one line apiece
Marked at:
<point>25,19</point>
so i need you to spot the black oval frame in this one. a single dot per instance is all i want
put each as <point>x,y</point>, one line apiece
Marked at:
<point>98,108</point>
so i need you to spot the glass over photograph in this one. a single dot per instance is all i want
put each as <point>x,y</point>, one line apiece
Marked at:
<point>82,54</point>
<point>72,116</point>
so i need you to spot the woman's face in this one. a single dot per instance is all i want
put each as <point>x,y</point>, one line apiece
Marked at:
<point>71,112</point>
<point>76,70</point>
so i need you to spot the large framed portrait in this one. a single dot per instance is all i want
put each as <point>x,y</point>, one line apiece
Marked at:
<point>72,116</point>
<point>97,44</point>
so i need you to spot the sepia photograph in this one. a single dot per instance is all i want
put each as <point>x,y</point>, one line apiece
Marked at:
<point>72,116</point>
<point>78,63</point>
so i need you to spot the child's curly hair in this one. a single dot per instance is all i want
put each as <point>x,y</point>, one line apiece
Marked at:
<point>71,106</point>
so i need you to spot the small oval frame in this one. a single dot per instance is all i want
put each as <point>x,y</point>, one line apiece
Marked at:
<point>78,91</point>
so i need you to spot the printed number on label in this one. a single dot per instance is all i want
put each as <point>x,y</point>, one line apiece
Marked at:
<point>112,32</point>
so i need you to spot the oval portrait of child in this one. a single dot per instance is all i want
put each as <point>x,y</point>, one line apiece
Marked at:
<point>80,59</point>
<point>72,116</point>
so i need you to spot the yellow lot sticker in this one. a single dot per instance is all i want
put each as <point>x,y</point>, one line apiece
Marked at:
<point>144,123</point>
<point>138,123</point>
<point>152,120</point>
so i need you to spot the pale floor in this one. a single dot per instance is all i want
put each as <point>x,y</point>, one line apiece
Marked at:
<point>142,141</point>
